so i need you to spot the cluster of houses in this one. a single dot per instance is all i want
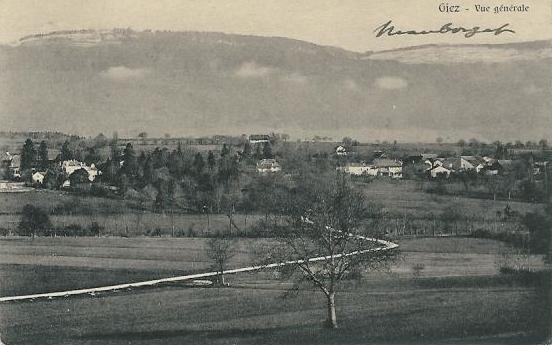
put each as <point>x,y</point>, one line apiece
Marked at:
<point>11,164</point>
<point>444,167</point>
<point>435,166</point>
<point>379,167</point>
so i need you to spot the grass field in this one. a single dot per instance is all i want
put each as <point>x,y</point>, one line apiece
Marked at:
<point>405,196</point>
<point>386,308</point>
<point>399,198</point>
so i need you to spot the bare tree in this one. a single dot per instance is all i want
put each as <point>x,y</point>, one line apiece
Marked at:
<point>325,220</point>
<point>220,249</point>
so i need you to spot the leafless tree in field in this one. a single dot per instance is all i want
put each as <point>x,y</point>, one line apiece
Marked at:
<point>326,219</point>
<point>220,249</point>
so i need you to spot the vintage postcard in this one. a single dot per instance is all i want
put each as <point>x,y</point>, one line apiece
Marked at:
<point>275,172</point>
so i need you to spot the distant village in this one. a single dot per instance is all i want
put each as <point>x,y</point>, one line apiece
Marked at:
<point>80,163</point>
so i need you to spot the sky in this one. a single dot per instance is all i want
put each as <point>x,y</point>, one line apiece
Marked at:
<point>347,24</point>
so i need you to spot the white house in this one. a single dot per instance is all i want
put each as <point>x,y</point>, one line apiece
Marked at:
<point>71,166</point>
<point>38,177</point>
<point>360,169</point>
<point>268,166</point>
<point>341,151</point>
<point>472,163</point>
<point>259,138</point>
<point>388,167</point>
<point>12,163</point>
<point>440,171</point>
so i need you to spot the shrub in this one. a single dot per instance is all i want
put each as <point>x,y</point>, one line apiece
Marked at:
<point>516,239</point>
<point>33,221</point>
<point>95,229</point>
<point>540,231</point>
<point>153,232</point>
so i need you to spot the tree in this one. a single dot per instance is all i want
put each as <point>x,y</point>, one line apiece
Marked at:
<point>79,176</point>
<point>540,236</point>
<point>246,149</point>
<point>543,143</point>
<point>100,140</point>
<point>43,155</point>
<point>198,164</point>
<point>211,162</point>
<point>347,141</point>
<point>33,221</point>
<point>267,151</point>
<point>65,153</point>
<point>324,219</point>
<point>225,150</point>
<point>439,141</point>
<point>220,249</point>
<point>28,155</point>
<point>493,183</point>
<point>130,164</point>
<point>143,136</point>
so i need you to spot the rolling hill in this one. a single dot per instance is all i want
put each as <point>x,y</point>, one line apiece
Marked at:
<point>197,83</point>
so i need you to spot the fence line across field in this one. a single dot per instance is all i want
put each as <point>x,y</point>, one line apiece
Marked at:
<point>386,245</point>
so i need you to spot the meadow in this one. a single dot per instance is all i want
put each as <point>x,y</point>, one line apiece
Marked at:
<point>392,307</point>
<point>407,208</point>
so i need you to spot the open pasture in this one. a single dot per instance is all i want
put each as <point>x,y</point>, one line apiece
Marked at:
<point>383,308</point>
<point>404,196</point>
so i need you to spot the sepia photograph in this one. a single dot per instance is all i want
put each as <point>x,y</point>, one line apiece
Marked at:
<point>275,172</point>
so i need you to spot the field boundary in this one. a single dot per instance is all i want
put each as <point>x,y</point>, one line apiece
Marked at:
<point>385,245</point>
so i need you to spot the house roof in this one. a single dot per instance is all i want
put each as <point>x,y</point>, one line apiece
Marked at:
<point>259,137</point>
<point>451,163</point>
<point>16,161</point>
<point>385,162</point>
<point>5,156</point>
<point>429,155</point>
<point>474,160</point>
<point>358,164</point>
<point>267,164</point>
<point>440,168</point>
<point>505,163</point>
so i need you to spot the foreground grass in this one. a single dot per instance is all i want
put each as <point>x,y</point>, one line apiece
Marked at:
<point>48,264</point>
<point>244,315</point>
<point>382,308</point>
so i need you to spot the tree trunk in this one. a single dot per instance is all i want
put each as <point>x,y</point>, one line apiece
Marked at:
<point>332,320</point>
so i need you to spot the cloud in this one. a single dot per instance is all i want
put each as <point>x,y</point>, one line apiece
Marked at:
<point>351,85</point>
<point>459,54</point>
<point>295,78</point>
<point>391,83</point>
<point>531,89</point>
<point>122,73</point>
<point>253,70</point>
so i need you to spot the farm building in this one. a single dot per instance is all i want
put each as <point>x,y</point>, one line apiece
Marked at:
<point>380,167</point>
<point>38,177</point>
<point>388,167</point>
<point>12,163</point>
<point>268,166</point>
<point>259,138</point>
<point>472,163</point>
<point>439,171</point>
<point>341,150</point>
<point>70,166</point>
<point>360,169</point>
